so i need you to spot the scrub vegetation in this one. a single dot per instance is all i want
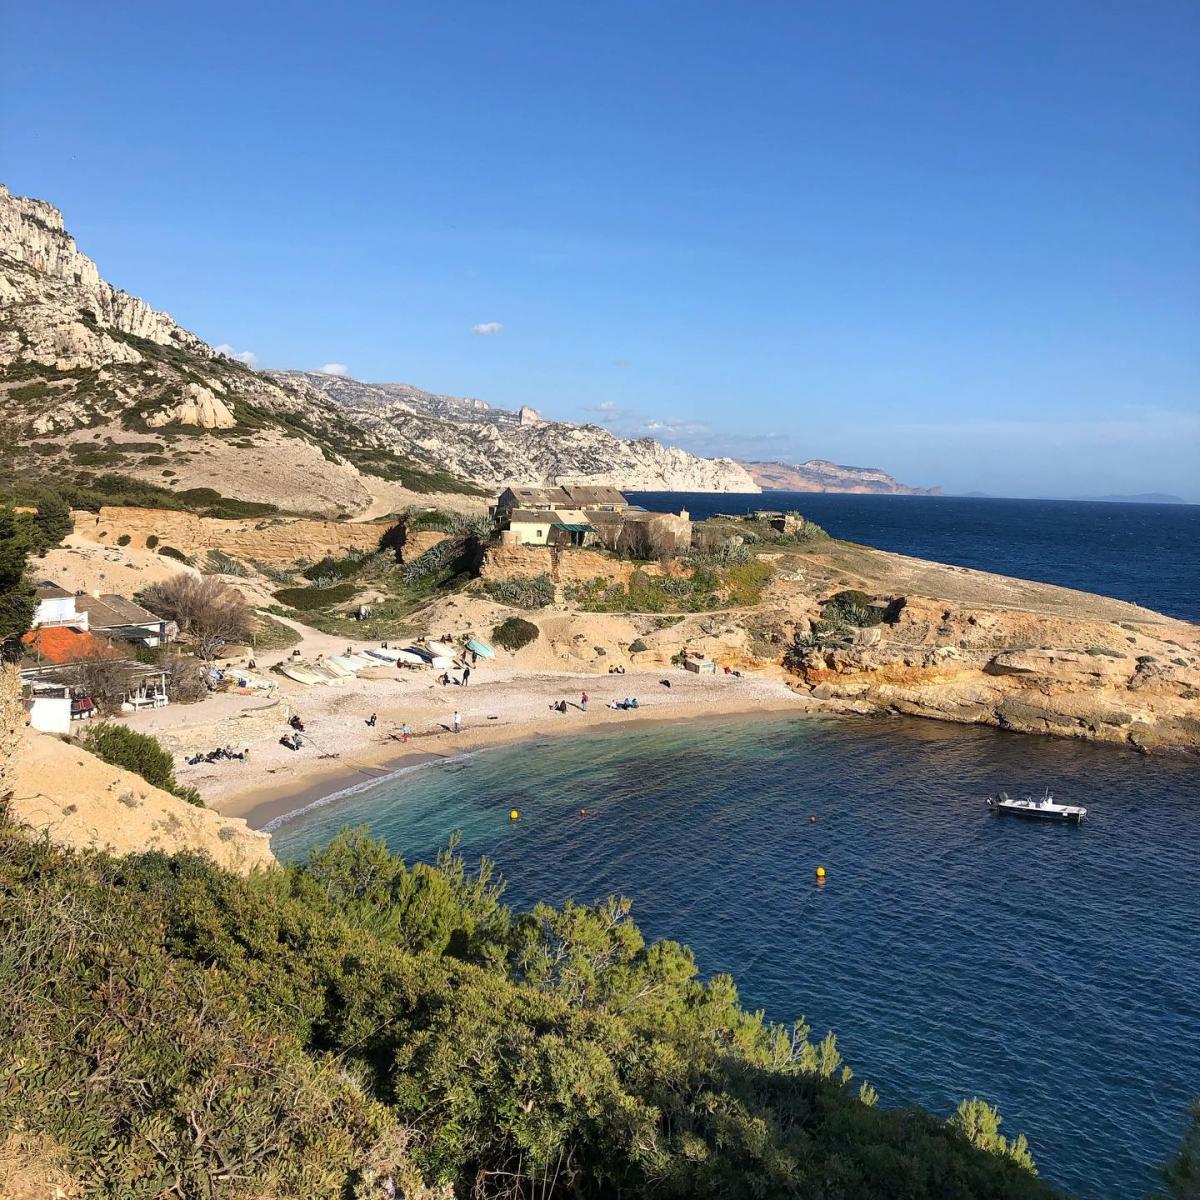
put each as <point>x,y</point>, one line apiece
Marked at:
<point>353,1027</point>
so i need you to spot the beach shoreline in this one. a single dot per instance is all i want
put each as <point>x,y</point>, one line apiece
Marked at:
<point>503,705</point>
<point>263,807</point>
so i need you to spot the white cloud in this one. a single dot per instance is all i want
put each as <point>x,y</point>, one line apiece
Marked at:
<point>245,356</point>
<point>487,328</point>
<point>334,369</point>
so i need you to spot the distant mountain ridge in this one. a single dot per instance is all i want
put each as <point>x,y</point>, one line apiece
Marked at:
<point>820,475</point>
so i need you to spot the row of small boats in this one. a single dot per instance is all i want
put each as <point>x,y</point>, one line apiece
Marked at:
<point>336,668</point>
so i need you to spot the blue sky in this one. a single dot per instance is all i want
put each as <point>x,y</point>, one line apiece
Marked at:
<point>956,240</point>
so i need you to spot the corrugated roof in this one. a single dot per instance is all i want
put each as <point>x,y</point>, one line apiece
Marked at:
<point>110,609</point>
<point>532,516</point>
<point>572,528</point>
<point>583,496</point>
<point>49,590</point>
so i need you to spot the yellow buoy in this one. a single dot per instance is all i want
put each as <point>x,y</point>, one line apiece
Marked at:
<point>513,814</point>
<point>820,872</point>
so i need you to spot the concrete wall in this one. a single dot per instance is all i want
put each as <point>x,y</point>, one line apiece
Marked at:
<point>49,714</point>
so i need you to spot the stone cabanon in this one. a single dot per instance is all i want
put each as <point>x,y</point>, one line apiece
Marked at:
<point>588,516</point>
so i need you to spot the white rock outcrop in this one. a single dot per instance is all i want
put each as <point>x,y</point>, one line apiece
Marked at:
<point>199,407</point>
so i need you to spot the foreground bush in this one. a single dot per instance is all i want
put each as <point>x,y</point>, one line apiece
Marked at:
<point>318,1030</point>
<point>139,753</point>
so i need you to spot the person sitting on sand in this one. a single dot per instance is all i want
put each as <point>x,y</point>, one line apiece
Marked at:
<point>633,703</point>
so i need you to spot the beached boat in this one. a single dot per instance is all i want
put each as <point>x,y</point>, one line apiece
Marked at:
<point>301,675</point>
<point>410,658</point>
<point>481,648</point>
<point>387,656</point>
<point>442,649</point>
<point>1044,809</point>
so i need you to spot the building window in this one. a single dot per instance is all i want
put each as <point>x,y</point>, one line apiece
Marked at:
<point>538,533</point>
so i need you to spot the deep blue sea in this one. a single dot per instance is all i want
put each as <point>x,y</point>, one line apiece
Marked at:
<point>1147,553</point>
<point>1053,971</point>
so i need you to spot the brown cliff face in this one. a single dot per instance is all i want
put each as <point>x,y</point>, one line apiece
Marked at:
<point>268,539</point>
<point>1019,655</point>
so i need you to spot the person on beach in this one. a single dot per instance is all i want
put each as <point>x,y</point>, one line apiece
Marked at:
<point>371,720</point>
<point>583,702</point>
<point>466,676</point>
<point>405,731</point>
<point>457,721</point>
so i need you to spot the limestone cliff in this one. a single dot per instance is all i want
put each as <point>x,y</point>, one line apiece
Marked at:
<point>819,475</point>
<point>495,447</point>
<point>82,362</point>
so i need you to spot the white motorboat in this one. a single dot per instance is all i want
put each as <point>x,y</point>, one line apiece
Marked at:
<point>1044,809</point>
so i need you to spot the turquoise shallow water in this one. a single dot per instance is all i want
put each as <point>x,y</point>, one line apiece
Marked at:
<point>1052,970</point>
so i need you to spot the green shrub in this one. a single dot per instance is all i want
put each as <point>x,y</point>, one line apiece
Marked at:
<point>171,552</point>
<point>124,540</point>
<point>852,607</point>
<point>637,646</point>
<point>151,541</point>
<point>311,599</point>
<point>139,753</point>
<point>338,568</point>
<point>514,633</point>
<point>217,562</point>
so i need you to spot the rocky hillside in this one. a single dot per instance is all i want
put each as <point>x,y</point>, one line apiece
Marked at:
<point>819,475</point>
<point>92,377</point>
<point>495,446</point>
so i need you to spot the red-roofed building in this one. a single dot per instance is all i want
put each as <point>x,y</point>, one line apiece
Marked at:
<point>59,644</point>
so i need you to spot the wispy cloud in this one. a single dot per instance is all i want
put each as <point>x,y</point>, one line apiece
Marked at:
<point>334,369</point>
<point>246,356</point>
<point>487,329</point>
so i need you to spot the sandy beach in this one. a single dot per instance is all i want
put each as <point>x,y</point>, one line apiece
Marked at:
<point>505,701</point>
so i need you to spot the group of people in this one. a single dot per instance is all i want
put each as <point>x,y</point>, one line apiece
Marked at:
<point>446,678</point>
<point>219,753</point>
<point>626,703</point>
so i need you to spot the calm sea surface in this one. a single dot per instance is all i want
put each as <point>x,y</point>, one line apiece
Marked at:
<point>1147,553</point>
<point>1054,971</point>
